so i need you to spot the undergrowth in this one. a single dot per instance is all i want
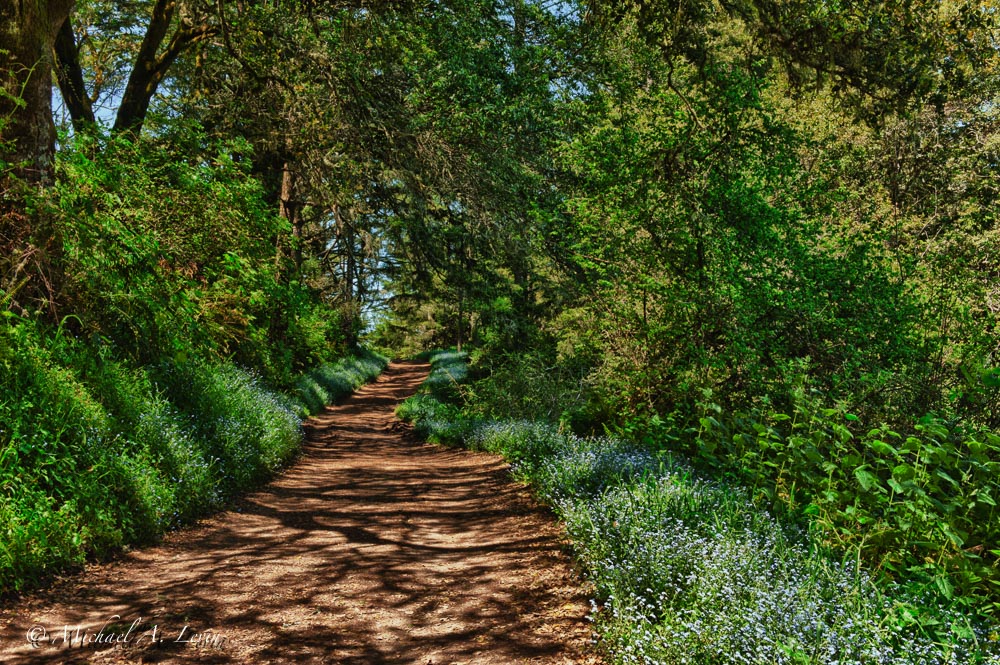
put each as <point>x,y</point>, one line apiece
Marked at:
<point>97,452</point>
<point>921,505</point>
<point>433,411</point>
<point>691,570</point>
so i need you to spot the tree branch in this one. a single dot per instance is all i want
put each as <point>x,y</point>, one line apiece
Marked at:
<point>69,75</point>
<point>135,101</point>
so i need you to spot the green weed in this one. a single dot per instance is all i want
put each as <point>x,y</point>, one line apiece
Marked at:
<point>689,570</point>
<point>97,453</point>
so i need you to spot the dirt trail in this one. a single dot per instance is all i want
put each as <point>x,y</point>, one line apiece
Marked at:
<point>373,548</point>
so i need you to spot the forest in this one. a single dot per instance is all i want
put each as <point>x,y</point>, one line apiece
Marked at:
<point>709,271</point>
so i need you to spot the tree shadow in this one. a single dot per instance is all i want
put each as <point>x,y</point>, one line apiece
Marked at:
<point>374,548</point>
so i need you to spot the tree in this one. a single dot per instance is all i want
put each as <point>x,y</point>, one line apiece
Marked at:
<point>27,141</point>
<point>186,23</point>
<point>27,34</point>
<point>878,57</point>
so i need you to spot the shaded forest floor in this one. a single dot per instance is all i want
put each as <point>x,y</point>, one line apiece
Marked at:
<point>373,548</point>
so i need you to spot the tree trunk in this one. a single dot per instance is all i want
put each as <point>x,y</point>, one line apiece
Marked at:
<point>289,209</point>
<point>151,64</point>
<point>461,314</point>
<point>27,144</point>
<point>69,73</point>
<point>350,269</point>
<point>28,30</point>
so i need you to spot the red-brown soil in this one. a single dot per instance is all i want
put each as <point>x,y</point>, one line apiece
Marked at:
<point>373,548</point>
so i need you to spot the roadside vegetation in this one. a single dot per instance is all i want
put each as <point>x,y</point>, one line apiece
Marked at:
<point>766,245</point>
<point>758,236</point>
<point>100,453</point>
<point>174,369</point>
<point>690,567</point>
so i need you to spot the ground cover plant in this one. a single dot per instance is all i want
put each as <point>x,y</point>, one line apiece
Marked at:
<point>158,356</point>
<point>433,411</point>
<point>692,570</point>
<point>921,505</point>
<point>99,453</point>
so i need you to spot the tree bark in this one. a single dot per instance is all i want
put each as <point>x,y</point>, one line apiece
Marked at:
<point>27,147</point>
<point>349,270</point>
<point>145,76</point>
<point>290,209</point>
<point>28,30</point>
<point>461,314</point>
<point>69,74</point>
<point>151,65</point>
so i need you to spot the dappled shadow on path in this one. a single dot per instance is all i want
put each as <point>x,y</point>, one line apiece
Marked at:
<point>374,548</point>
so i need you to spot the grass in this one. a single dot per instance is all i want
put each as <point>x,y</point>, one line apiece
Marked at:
<point>691,570</point>
<point>432,410</point>
<point>96,453</point>
<point>331,382</point>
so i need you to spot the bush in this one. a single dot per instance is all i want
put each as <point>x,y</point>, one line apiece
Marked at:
<point>533,386</point>
<point>96,452</point>
<point>921,506</point>
<point>694,571</point>
<point>172,255</point>
<point>333,381</point>
<point>245,431</point>
<point>434,411</point>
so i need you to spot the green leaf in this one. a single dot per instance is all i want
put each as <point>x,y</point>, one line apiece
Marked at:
<point>867,479</point>
<point>882,448</point>
<point>896,486</point>
<point>951,534</point>
<point>944,586</point>
<point>944,476</point>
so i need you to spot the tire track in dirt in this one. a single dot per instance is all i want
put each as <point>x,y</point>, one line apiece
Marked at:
<point>373,548</point>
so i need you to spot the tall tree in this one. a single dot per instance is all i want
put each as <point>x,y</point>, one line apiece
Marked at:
<point>168,29</point>
<point>28,31</point>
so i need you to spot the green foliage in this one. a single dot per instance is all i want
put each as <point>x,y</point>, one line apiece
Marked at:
<point>435,411</point>
<point>698,236</point>
<point>688,570</point>
<point>247,432</point>
<point>655,218</point>
<point>878,57</point>
<point>133,415</point>
<point>433,420</point>
<point>920,506</point>
<point>169,252</point>
<point>331,382</point>
<point>449,369</point>
<point>97,452</point>
<point>534,385</point>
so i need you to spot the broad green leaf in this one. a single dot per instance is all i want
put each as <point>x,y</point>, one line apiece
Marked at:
<point>882,448</point>
<point>867,479</point>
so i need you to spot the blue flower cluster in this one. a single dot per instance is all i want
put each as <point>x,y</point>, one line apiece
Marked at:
<point>692,571</point>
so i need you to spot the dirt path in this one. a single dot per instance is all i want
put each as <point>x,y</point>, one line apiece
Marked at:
<point>373,548</point>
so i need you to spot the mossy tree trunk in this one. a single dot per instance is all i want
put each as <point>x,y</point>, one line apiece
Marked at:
<point>28,30</point>
<point>29,276</point>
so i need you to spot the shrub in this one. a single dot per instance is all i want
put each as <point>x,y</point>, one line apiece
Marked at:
<point>434,411</point>
<point>333,381</point>
<point>920,505</point>
<point>692,571</point>
<point>96,452</point>
<point>689,570</point>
